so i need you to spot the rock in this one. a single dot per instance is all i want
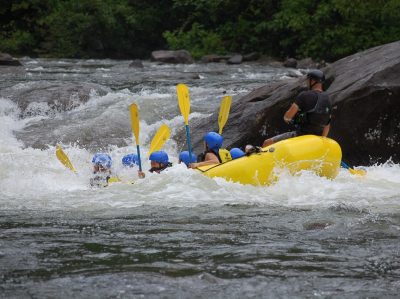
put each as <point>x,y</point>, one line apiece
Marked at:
<point>276,64</point>
<point>307,63</point>
<point>235,59</point>
<point>179,56</point>
<point>290,62</point>
<point>365,90</point>
<point>137,63</point>
<point>253,56</point>
<point>214,58</point>
<point>7,59</point>
<point>42,98</point>
<point>47,98</point>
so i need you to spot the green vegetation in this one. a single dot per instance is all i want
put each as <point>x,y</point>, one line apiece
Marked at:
<point>322,29</point>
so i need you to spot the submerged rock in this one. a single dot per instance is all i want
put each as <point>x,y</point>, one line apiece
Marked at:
<point>364,89</point>
<point>137,63</point>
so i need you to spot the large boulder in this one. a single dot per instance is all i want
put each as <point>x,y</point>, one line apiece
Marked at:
<point>179,56</point>
<point>7,59</point>
<point>364,89</point>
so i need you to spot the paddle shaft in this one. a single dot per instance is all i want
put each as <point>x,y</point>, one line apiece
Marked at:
<point>138,154</point>
<point>188,140</point>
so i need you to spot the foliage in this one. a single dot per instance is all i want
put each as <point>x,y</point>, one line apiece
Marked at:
<point>197,39</point>
<point>322,29</point>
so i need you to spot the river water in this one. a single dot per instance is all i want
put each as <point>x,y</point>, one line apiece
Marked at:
<point>176,234</point>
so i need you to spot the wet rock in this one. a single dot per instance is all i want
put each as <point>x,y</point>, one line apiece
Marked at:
<point>253,56</point>
<point>316,225</point>
<point>276,64</point>
<point>179,56</point>
<point>47,98</point>
<point>137,63</point>
<point>215,58</point>
<point>290,62</point>
<point>364,89</point>
<point>7,59</point>
<point>235,59</point>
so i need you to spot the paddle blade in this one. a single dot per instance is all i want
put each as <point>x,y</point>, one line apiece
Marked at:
<point>183,101</point>
<point>224,112</point>
<point>63,158</point>
<point>133,109</point>
<point>359,172</point>
<point>159,139</point>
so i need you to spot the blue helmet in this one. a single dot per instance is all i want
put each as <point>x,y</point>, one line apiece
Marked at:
<point>102,160</point>
<point>236,153</point>
<point>159,157</point>
<point>184,157</point>
<point>130,160</point>
<point>213,140</point>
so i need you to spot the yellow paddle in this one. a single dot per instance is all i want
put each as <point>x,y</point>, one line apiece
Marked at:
<point>224,112</point>
<point>63,158</point>
<point>133,109</point>
<point>184,105</point>
<point>359,172</point>
<point>159,139</point>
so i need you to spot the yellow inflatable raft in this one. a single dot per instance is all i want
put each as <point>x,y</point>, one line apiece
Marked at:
<point>319,154</point>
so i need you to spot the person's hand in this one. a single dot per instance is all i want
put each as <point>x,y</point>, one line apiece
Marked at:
<point>193,165</point>
<point>141,174</point>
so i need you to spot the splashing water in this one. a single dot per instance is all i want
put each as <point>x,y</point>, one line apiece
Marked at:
<point>178,228</point>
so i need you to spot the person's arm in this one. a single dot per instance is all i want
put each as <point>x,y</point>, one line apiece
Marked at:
<point>288,116</point>
<point>210,159</point>
<point>326,130</point>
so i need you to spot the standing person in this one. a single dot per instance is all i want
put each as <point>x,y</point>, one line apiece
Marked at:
<point>310,112</point>
<point>212,142</point>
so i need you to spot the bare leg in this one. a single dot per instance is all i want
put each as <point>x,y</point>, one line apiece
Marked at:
<point>267,142</point>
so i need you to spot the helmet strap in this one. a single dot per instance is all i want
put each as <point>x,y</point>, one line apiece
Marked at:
<point>311,85</point>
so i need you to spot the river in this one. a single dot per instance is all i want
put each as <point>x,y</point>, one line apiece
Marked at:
<point>177,234</point>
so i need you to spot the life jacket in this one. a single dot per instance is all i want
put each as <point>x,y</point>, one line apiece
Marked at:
<point>313,121</point>
<point>100,180</point>
<point>223,155</point>
<point>202,156</point>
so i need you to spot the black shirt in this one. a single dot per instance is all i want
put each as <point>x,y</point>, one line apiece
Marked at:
<point>306,100</point>
<point>314,109</point>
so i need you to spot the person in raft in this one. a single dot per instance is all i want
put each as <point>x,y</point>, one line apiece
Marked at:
<point>310,112</point>
<point>236,153</point>
<point>130,160</point>
<point>159,161</point>
<point>184,157</point>
<point>212,142</point>
<point>101,170</point>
